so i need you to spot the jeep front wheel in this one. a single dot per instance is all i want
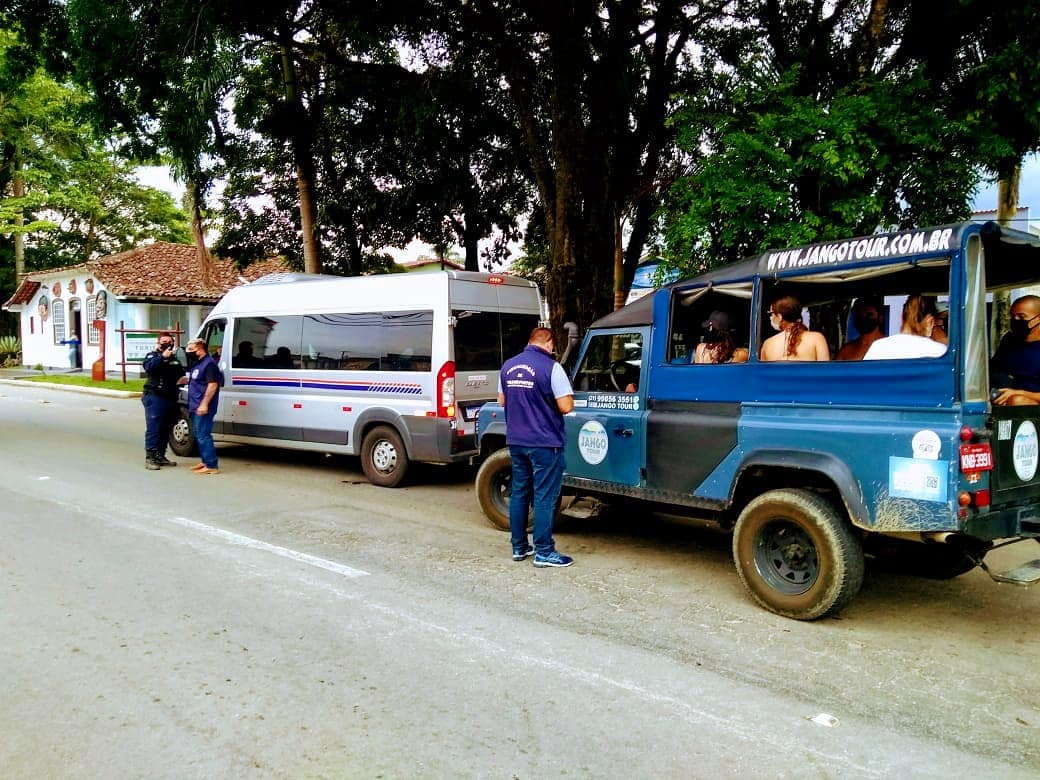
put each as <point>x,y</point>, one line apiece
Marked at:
<point>494,486</point>
<point>796,555</point>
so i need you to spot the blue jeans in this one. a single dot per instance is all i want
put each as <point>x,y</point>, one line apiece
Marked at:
<point>537,477</point>
<point>160,414</point>
<point>202,429</point>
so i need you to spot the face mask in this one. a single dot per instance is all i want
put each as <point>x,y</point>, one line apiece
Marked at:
<point>1020,328</point>
<point>712,336</point>
<point>865,324</point>
<point>192,359</point>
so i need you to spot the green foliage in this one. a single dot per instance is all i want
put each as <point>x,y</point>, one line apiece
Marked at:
<point>845,139</point>
<point>64,196</point>
<point>10,350</point>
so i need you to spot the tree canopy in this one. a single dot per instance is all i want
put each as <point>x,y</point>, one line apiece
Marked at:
<point>707,131</point>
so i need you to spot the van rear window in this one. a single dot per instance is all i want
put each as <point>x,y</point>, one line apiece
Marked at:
<point>483,339</point>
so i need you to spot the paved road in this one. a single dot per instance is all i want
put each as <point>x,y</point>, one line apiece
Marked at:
<point>287,619</point>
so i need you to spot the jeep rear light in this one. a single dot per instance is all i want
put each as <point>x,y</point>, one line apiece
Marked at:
<point>446,390</point>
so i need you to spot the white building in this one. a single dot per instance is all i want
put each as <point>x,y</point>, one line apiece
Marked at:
<point>151,288</point>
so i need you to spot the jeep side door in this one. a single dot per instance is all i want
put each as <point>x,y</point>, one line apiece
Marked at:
<point>605,432</point>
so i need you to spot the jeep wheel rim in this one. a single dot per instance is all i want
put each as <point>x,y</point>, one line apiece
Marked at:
<point>786,557</point>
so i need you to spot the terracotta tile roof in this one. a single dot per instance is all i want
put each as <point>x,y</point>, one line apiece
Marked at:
<point>423,261</point>
<point>158,271</point>
<point>25,292</point>
<point>164,270</point>
<point>271,265</point>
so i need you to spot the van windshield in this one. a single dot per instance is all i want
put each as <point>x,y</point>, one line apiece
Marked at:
<point>484,339</point>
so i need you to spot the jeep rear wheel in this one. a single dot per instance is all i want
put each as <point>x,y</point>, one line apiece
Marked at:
<point>796,555</point>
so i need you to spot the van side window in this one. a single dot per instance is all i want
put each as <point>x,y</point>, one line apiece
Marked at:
<point>377,341</point>
<point>213,335</point>
<point>273,342</point>
<point>611,364</point>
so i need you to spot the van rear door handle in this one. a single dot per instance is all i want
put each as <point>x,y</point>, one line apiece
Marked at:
<point>624,432</point>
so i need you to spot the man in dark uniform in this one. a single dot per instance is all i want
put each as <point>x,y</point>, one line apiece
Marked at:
<point>160,401</point>
<point>536,394</point>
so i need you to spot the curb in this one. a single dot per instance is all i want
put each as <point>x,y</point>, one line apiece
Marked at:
<point>74,388</point>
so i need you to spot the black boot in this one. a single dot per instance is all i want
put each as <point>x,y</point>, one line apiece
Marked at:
<point>151,461</point>
<point>162,460</point>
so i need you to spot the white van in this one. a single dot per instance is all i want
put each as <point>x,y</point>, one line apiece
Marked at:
<point>392,368</point>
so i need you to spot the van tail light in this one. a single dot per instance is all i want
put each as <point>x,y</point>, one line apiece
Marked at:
<point>446,390</point>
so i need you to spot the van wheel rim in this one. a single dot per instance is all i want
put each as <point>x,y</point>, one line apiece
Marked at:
<point>384,456</point>
<point>180,431</point>
<point>786,557</point>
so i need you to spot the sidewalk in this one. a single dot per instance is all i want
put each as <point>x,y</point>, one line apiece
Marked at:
<point>12,376</point>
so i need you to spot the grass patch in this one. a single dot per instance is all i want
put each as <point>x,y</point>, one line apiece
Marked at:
<point>132,385</point>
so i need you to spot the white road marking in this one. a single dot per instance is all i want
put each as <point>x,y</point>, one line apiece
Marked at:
<point>256,544</point>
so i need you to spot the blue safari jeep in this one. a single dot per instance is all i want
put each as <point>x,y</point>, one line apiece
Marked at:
<point>813,463</point>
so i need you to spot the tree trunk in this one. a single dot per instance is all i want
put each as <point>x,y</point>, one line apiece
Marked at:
<point>205,260</point>
<point>301,146</point>
<point>619,267</point>
<point>472,247</point>
<point>18,189</point>
<point>1007,207</point>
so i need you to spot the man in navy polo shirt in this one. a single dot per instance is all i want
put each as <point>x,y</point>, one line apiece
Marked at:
<point>535,392</point>
<point>203,394</point>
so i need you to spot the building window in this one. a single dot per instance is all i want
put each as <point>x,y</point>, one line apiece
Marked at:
<point>165,317</point>
<point>58,318</point>
<point>93,334</point>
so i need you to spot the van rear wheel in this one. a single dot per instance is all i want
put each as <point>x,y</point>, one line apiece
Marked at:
<point>796,555</point>
<point>383,457</point>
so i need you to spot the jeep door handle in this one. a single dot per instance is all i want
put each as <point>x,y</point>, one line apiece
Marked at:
<point>624,432</point>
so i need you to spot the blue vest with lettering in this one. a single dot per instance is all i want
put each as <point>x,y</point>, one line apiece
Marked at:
<point>532,417</point>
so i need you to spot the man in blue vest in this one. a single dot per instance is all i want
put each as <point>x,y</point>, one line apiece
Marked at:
<point>204,381</point>
<point>535,392</point>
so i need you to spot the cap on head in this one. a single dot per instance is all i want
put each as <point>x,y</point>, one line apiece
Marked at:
<point>718,320</point>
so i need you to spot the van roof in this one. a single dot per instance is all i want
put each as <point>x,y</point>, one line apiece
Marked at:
<point>299,292</point>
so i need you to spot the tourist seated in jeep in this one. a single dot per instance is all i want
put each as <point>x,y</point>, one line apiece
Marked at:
<point>914,340</point>
<point>793,341</point>
<point>717,344</point>
<point>866,319</point>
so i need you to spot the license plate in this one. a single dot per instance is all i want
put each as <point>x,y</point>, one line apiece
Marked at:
<point>976,457</point>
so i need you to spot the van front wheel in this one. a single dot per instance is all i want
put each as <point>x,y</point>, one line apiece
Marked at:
<point>383,457</point>
<point>796,555</point>
<point>182,440</point>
